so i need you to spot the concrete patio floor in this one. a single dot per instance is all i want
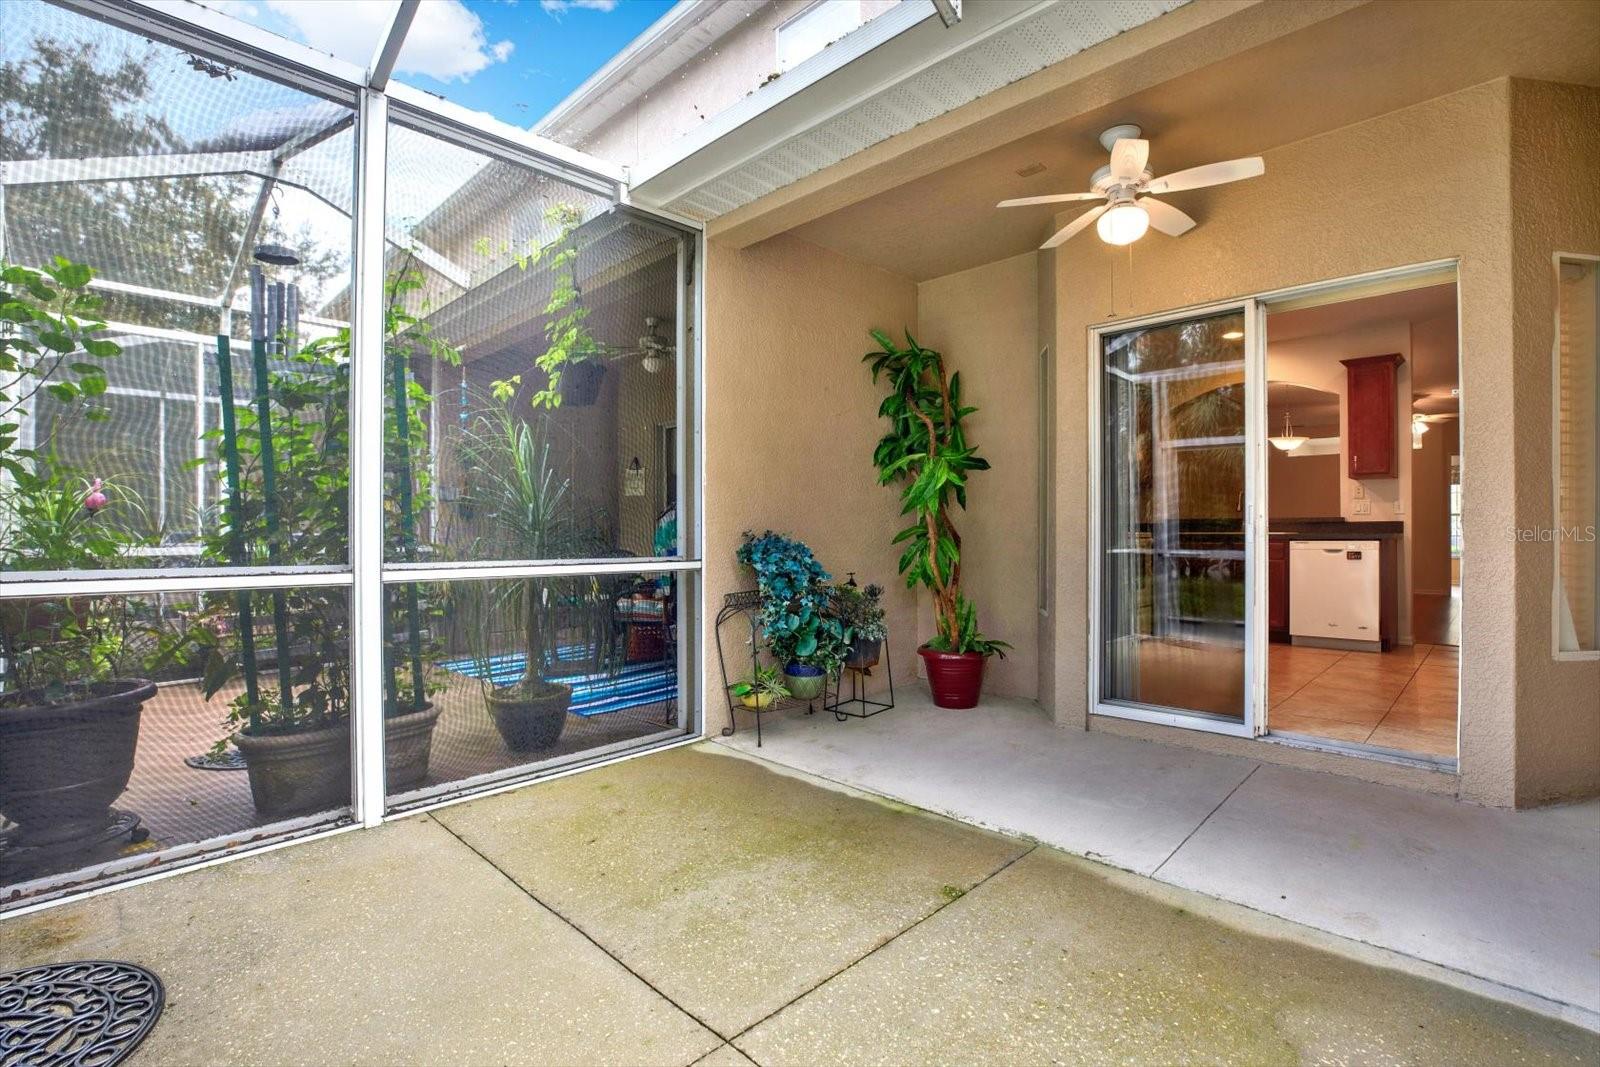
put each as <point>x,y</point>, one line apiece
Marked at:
<point>1508,897</point>
<point>695,906</point>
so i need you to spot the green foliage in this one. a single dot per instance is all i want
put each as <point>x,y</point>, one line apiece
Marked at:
<point>794,614</point>
<point>58,648</point>
<point>926,452</point>
<point>859,610</point>
<point>762,681</point>
<point>566,335</point>
<point>308,392</point>
<point>527,509</point>
<point>49,343</point>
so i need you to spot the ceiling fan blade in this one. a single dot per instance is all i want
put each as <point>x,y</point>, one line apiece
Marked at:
<point>1166,218</point>
<point>1076,226</point>
<point>1128,158</point>
<point>1058,198</point>
<point>1210,174</point>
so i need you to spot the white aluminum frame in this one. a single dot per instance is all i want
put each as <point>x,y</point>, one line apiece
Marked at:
<point>1255,561</point>
<point>1257,307</point>
<point>378,103</point>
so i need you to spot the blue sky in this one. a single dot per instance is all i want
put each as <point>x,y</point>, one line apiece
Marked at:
<point>515,59</point>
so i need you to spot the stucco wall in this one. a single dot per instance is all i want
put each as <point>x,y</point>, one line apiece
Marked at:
<point>985,323</point>
<point>1555,160</point>
<point>791,422</point>
<point>1328,207</point>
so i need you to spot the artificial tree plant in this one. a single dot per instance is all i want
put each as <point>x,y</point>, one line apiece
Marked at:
<point>802,634</point>
<point>925,450</point>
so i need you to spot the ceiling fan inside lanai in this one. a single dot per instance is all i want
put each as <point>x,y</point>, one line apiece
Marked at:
<point>1126,185</point>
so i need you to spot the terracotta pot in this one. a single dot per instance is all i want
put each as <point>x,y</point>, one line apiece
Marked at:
<point>407,741</point>
<point>62,765</point>
<point>956,678</point>
<point>527,722</point>
<point>298,773</point>
<point>805,686</point>
<point>863,654</point>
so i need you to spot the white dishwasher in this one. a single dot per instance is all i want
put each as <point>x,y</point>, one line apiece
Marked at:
<point>1335,591</point>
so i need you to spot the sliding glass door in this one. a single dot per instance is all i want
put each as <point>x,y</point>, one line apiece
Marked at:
<point>1173,555</point>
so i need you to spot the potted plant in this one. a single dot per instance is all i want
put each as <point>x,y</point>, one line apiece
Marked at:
<point>761,689</point>
<point>801,635</point>
<point>525,507</point>
<point>861,612</point>
<point>926,451</point>
<point>69,712</point>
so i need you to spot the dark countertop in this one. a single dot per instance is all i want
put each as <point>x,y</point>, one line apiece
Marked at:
<point>1332,530</point>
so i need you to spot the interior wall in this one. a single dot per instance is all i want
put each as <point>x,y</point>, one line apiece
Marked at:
<point>1304,487</point>
<point>791,423</point>
<point>1555,157</point>
<point>1256,236</point>
<point>985,323</point>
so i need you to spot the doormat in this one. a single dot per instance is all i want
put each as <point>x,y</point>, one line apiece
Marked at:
<point>231,760</point>
<point>84,1012</point>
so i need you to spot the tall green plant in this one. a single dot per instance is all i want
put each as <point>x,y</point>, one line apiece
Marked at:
<point>526,507</point>
<point>926,451</point>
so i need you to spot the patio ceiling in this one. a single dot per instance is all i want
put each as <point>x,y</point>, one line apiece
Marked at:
<point>922,205</point>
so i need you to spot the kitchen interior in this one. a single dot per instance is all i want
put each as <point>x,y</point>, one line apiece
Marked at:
<point>1364,546</point>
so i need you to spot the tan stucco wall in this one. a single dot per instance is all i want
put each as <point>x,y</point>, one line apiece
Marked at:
<point>1555,172</point>
<point>985,323</point>
<point>1342,203</point>
<point>791,422</point>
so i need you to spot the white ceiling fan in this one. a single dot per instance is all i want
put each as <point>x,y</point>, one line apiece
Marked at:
<point>1125,184</point>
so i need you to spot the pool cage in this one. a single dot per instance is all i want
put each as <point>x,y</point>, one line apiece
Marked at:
<point>376,439</point>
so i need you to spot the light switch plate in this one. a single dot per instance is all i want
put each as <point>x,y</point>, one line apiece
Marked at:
<point>1363,507</point>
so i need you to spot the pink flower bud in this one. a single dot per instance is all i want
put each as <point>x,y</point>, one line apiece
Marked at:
<point>94,500</point>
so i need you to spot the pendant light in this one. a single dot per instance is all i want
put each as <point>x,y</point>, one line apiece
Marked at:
<point>1419,426</point>
<point>1287,441</point>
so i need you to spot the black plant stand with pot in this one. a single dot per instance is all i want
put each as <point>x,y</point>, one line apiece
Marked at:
<point>748,605</point>
<point>867,707</point>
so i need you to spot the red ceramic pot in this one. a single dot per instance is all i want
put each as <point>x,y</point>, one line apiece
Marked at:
<point>956,678</point>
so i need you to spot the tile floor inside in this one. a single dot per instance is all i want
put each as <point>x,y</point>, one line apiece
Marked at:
<point>1402,699</point>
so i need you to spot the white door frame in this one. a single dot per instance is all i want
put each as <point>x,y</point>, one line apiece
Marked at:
<point>1254,523</point>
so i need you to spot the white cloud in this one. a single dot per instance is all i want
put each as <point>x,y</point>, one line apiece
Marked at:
<point>446,41</point>
<point>560,7</point>
<point>239,9</point>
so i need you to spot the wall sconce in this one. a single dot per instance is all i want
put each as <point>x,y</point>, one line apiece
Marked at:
<point>633,478</point>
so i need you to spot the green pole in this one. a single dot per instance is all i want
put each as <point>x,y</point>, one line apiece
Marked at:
<point>408,526</point>
<point>230,454</point>
<point>269,487</point>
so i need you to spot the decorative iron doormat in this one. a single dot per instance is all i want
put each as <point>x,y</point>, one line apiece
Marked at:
<point>89,1013</point>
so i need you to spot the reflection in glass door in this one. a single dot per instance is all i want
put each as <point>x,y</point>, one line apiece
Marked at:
<point>1174,595</point>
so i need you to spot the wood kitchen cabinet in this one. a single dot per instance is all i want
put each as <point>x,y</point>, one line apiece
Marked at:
<point>1278,589</point>
<point>1372,431</point>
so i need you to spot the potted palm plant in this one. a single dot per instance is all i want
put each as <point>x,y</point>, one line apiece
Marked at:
<point>69,711</point>
<point>761,688</point>
<point>926,451</point>
<point>526,509</point>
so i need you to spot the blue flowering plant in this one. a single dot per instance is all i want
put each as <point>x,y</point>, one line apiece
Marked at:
<point>794,614</point>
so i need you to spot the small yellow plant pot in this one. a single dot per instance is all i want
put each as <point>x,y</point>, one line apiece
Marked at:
<point>757,700</point>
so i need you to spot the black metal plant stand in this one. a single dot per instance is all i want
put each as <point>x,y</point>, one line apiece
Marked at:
<point>867,706</point>
<point>748,604</point>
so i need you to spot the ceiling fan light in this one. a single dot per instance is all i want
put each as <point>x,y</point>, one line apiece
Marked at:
<point>1418,428</point>
<point>652,363</point>
<point>1123,224</point>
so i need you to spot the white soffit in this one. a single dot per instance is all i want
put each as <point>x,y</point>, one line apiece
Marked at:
<point>904,69</point>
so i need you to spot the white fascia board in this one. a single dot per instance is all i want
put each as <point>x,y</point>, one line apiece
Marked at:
<point>896,45</point>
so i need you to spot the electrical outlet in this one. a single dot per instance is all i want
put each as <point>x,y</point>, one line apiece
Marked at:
<point>1360,491</point>
<point>1399,507</point>
<point>1363,507</point>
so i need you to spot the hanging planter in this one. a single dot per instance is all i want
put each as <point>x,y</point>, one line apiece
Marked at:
<point>581,382</point>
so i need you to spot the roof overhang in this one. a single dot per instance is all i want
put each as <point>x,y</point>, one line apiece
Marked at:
<point>903,68</point>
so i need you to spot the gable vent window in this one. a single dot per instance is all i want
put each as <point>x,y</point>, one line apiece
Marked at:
<point>814,29</point>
